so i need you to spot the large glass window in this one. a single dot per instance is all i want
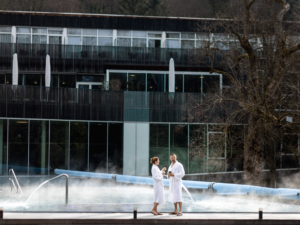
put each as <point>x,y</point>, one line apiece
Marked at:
<point>136,82</point>
<point>115,148</point>
<point>139,42</point>
<point>3,147</point>
<point>178,83</point>
<point>98,147</point>
<point>38,147</point>
<point>155,82</point>
<point>211,84</point>
<point>159,143</point>
<point>67,81</point>
<point>105,41</point>
<point>192,83</point>
<point>18,146</point>
<point>59,145</point>
<point>78,146</point>
<point>125,42</point>
<point>118,81</point>
<point>197,149</point>
<point>32,79</point>
<point>5,34</point>
<point>179,143</point>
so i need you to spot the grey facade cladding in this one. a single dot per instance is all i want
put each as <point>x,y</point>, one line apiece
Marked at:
<point>100,21</point>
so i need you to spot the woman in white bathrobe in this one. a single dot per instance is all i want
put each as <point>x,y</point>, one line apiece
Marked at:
<point>158,185</point>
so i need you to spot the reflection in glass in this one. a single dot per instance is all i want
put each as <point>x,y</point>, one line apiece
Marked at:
<point>216,151</point>
<point>179,143</point>
<point>187,44</point>
<point>78,146</point>
<point>32,79</point>
<point>139,42</point>
<point>23,38</point>
<point>118,81</point>
<point>105,41</point>
<point>5,38</point>
<point>187,35</point>
<point>18,146</point>
<point>89,32</point>
<point>3,147</point>
<point>197,149</point>
<point>126,42</point>
<point>39,30</point>
<point>67,81</point>
<point>98,150</point>
<point>105,33</point>
<point>172,35</point>
<point>74,31</point>
<point>211,84</point>
<point>178,83</point>
<point>24,30</point>
<point>139,33</point>
<point>55,31</point>
<point>74,40</point>
<point>124,33</point>
<point>38,147</point>
<point>172,44</point>
<point>8,79</point>
<point>39,39</point>
<point>136,82</point>
<point>192,83</point>
<point>55,40</point>
<point>5,29</point>
<point>155,82</point>
<point>159,143</point>
<point>89,41</point>
<point>115,148</point>
<point>59,145</point>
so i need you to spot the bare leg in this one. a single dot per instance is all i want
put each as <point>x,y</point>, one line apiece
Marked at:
<point>180,207</point>
<point>154,209</point>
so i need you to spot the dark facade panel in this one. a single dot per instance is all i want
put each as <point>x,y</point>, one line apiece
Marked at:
<point>100,21</point>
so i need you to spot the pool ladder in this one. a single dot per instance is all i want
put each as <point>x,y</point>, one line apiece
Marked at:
<point>13,176</point>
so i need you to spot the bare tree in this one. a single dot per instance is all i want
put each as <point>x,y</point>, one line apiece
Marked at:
<point>257,54</point>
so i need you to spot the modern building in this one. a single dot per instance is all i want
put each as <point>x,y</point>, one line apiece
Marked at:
<point>108,108</point>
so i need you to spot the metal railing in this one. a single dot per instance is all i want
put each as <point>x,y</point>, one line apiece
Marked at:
<point>12,183</point>
<point>67,187</point>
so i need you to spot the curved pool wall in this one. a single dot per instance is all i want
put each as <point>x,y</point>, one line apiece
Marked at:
<point>217,188</point>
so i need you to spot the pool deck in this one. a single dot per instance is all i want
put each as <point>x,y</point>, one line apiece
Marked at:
<point>147,218</point>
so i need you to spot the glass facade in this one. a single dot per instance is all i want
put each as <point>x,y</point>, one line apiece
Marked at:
<point>38,147</point>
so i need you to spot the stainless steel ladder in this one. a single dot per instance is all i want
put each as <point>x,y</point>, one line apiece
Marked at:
<point>13,176</point>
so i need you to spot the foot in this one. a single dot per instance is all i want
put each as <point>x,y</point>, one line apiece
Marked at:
<point>158,213</point>
<point>179,214</point>
<point>154,213</point>
<point>172,213</point>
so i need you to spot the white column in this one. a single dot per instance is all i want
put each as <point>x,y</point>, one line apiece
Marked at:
<point>14,34</point>
<point>114,37</point>
<point>163,39</point>
<point>64,37</point>
<point>129,149</point>
<point>142,149</point>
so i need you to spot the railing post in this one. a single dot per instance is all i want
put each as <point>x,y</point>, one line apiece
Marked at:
<point>67,189</point>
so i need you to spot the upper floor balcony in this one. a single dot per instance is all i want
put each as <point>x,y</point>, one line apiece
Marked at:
<point>94,59</point>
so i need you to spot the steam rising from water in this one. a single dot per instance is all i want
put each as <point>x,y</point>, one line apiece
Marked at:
<point>97,195</point>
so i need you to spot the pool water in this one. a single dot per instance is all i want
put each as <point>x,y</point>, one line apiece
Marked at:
<point>92,197</point>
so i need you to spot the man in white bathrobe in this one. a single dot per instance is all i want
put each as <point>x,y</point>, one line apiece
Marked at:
<point>175,175</point>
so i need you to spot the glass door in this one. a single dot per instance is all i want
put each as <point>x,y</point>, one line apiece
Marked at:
<point>89,85</point>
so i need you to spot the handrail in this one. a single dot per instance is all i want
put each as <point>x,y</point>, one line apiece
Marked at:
<point>67,187</point>
<point>18,187</point>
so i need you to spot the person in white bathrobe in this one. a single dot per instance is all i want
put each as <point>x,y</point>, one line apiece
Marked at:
<point>175,174</point>
<point>158,185</point>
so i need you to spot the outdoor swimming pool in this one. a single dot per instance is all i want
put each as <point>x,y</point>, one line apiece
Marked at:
<point>91,196</point>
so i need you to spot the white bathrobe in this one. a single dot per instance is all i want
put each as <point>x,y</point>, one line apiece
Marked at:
<point>175,183</point>
<point>158,185</point>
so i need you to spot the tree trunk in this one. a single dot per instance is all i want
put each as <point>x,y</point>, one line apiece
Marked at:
<point>253,153</point>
